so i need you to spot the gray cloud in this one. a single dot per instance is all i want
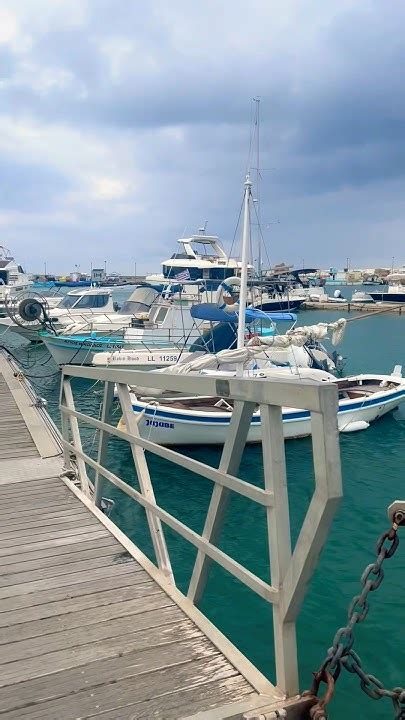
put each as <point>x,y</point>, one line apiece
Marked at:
<point>155,107</point>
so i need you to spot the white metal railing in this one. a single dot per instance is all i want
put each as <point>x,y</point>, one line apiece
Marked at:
<point>289,571</point>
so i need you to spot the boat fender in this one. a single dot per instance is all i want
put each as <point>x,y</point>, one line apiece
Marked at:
<point>226,286</point>
<point>355,426</point>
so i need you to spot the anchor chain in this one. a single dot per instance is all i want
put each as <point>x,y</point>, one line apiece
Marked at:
<point>341,654</point>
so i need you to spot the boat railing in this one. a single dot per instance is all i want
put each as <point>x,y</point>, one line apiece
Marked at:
<point>290,569</point>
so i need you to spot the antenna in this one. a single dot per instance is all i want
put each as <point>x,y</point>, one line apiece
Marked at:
<point>202,230</point>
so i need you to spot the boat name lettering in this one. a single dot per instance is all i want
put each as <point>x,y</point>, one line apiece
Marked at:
<point>159,423</point>
<point>83,343</point>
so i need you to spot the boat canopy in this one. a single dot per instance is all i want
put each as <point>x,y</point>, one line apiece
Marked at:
<point>213,313</point>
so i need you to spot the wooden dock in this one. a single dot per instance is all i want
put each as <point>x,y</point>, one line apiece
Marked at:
<point>87,629</point>
<point>370,308</point>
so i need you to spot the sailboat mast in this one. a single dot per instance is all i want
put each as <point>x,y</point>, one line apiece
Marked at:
<point>244,259</point>
<point>259,239</point>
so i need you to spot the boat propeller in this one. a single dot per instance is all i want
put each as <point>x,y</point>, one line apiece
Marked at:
<point>29,310</point>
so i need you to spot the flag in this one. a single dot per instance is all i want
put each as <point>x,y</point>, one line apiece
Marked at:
<point>183,275</point>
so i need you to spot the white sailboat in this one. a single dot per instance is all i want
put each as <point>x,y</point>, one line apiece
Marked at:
<point>205,420</point>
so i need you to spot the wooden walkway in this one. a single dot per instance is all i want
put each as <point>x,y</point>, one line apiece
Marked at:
<point>86,631</point>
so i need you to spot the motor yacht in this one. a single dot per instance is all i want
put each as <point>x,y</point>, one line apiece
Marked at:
<point>13,279</point>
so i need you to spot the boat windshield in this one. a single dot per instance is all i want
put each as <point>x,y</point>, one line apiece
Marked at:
<point>68,301</point>
<point>140,301</point>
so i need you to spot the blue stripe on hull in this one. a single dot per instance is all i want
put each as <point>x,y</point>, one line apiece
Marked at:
<point>287,417</point>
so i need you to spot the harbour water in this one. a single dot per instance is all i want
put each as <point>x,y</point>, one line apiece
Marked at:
<point>373,475</point>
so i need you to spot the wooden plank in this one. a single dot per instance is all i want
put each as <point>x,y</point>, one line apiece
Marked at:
<point>74,638</point>
<point>27,507</point>
<point>23,452</point>
<point>35,526</point>
<point>54,493</point>
<point>29,668</point>
<point>154,692</point>
<point>109,670</point>
<point>49,534</point>
<point>13,492</point>
<point>213,702</point>
<point>34,483</point>
<point>63,593</point>
<point>61,528</point>
<point>71,540</point>
<point>75,602</point>
<point>27,588</point>
<point>57,570</point>
<point>25,470</point>
<point>26,513</point>
<point>60,561</point>
<point>59,550</point>
<point>151,599</point>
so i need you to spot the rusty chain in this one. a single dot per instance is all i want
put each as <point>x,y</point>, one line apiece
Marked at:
<point>341,654</point>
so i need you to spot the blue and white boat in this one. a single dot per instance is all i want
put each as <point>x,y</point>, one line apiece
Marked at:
<point>205,420</point>
<point>196,420</point>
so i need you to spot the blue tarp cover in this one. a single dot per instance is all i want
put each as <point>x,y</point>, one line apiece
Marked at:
<point>210,311</point>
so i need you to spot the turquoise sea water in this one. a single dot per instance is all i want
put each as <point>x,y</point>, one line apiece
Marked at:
<point>373,476</point>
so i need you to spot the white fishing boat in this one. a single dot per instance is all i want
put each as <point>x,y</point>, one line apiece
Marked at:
<point>77,306</point>
<point>205,420</point>
<point>166,324</point>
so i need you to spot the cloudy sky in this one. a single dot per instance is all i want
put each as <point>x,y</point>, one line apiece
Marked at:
<point>124,124</point>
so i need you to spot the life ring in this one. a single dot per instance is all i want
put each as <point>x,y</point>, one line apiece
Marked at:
<point>225,290</point>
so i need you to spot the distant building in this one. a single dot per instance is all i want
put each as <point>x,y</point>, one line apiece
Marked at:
<point>97,275</point>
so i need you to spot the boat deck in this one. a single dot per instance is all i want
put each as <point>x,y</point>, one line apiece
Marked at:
<point>85,630</point>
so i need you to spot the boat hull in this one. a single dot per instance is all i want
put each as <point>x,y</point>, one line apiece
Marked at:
<point>167,426</point>
<point>85,351</point>
<point>396,298</point>
<point>78,351</point>
<point>280,305</point>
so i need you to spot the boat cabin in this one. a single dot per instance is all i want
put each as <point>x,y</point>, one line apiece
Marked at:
<point>201,257</point>
<point>10,272</point>
<point>90,300</point>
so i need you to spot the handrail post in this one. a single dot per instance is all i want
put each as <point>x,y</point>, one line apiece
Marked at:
<point>64,424</point>
<point>77,442</point>
<point>229,463</point>
<point>145,484</point>
<point>103,441</point>
<point>279,540</point>
<point>324,502</point>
